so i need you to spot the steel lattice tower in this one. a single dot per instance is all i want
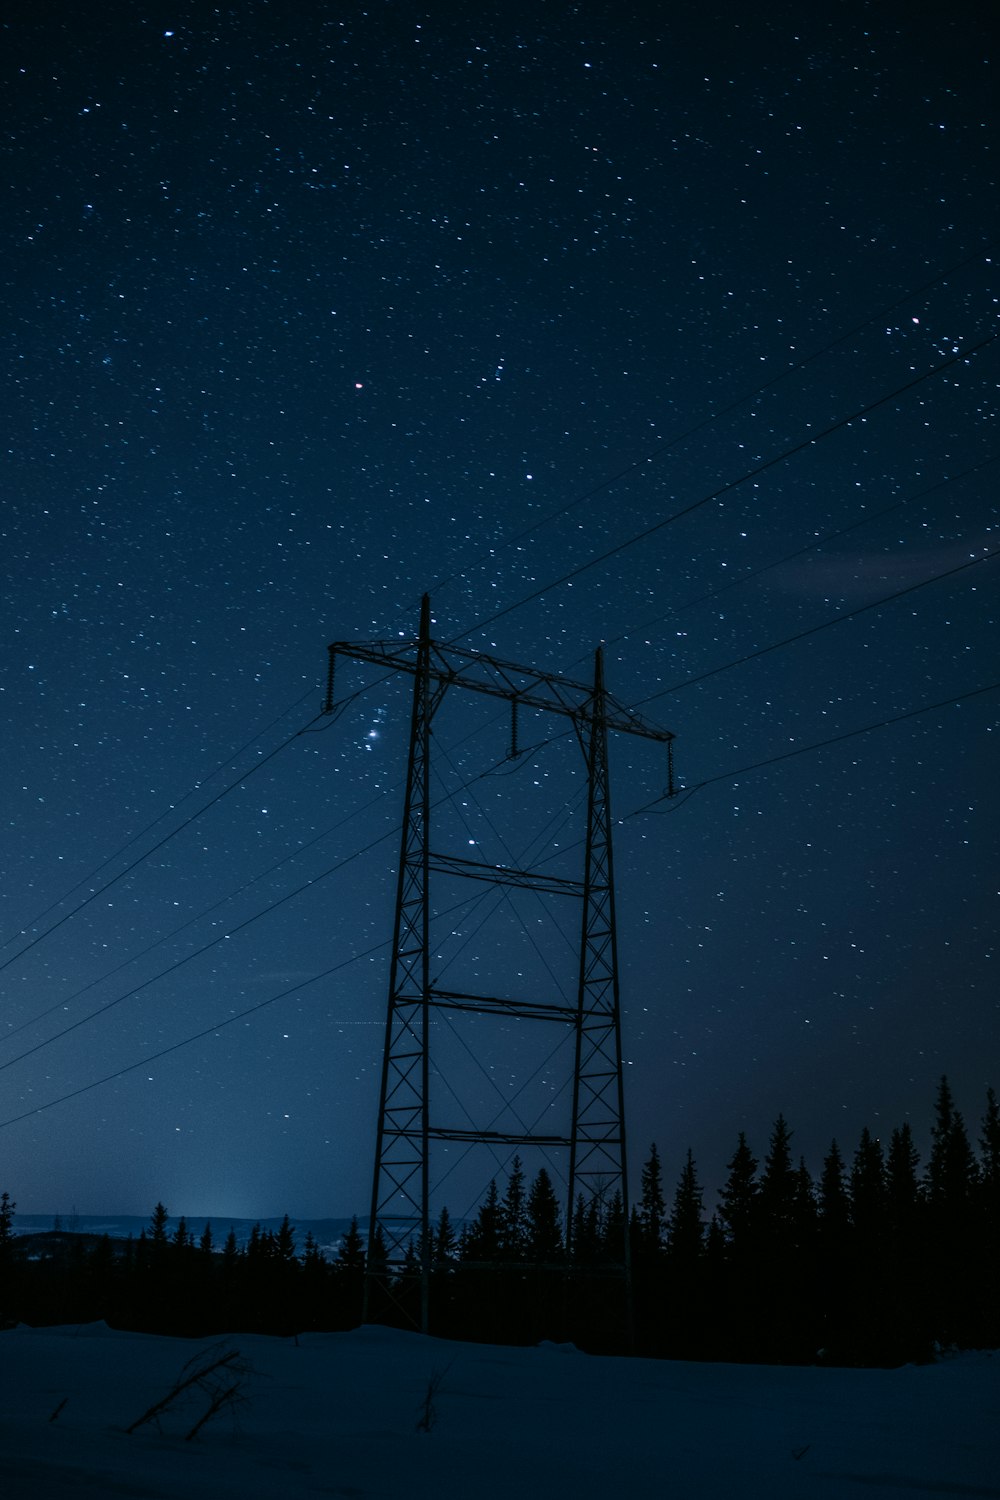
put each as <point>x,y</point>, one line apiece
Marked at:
<point>399,1220</point>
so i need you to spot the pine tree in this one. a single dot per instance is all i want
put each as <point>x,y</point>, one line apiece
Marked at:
<point>868,1190</point>
<point>776,1202</point>
<point>834,1207</point>
<point>804,1210</point>
<point>951,1170</point>
<point>902,1184</point>
<point>444,1243</point>
<point>7,1207</point>
<point>514,1215</point>
<point>613,1230</point>
<point>686,1228</point>
<point>652,1207</point>
<point>284,1242</point>
<point>351,1250</point>
<point>205,1244</point>
<point>544,1237</point>
<point>989,1160</point>
<point>158,1225</point>
<point>482,1243</point>
<point>586,1240</point>
<point>739,1197</point>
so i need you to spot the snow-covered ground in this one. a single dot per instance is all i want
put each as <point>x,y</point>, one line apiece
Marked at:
<point>338,1415</point>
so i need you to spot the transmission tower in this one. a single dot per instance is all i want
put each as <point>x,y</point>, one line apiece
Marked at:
<point>410,1122</point>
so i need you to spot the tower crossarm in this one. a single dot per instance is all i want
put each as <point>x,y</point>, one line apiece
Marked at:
<point>531,1010</point>
<point>459,667</point>
<point>529,880</point>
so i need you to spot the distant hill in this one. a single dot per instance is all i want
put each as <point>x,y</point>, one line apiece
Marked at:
<point>326,1232</point>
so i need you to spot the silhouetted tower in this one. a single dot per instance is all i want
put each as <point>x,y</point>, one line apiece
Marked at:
<point>409,1124</point>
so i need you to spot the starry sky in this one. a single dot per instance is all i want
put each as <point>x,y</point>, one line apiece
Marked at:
<point>671,328</point>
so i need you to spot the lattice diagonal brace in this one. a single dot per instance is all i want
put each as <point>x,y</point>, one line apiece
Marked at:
<point>598,1147</point>
<point>399,1209</point>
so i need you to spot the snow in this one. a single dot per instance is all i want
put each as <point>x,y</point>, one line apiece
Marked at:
<point>338,1414</point>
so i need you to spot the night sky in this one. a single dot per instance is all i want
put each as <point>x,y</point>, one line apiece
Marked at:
<point>309,310</point>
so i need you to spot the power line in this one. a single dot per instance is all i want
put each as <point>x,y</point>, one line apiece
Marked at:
<point>241,780</point>
<point>649,807</point>
<point>747,396</point>
<point>834,739</point>
<point>233,931</point>
<point>150,826</point>
<point>814,545</point>
<point>801,635</point>
<point>732,484</point>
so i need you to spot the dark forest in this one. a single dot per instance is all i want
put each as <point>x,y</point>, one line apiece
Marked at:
<point>881,1261</point>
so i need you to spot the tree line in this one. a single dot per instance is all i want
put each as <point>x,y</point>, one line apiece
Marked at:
<point>879,1260</point>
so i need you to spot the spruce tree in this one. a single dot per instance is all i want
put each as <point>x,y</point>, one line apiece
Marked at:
<point>686,1226</point>
<point>284,1242</point>
<point>444,1243</point>
<point>834,1208</point>
<point>903,1192</point>
<point>351,1250</point>
<point>586,1239</point>
<point>613,1230</point>
<point>951,1170</point>
<point>158,1225</point>
<point>652,1207</point>
<point>544,1236</point>
<point>482,1242</point>
<point>738,1199</point>
<point>514,1215</point>
<point>989,1161</point>
<point>776,1200</point>
<point>868,1191</point>
<point>7,1207</point>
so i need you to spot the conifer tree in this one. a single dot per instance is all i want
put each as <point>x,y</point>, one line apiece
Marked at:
<point>686,1227</point>
<point>377,1258</point>
<point>514,1215</point>
<point>738,1198</point>
<point>351,1250</point>
<point>902,1184</point>
<point>482,1243</point>
<point>834,1208</point>
<point>989,1160</point>
<point>804,1212</point>
<point>776,1201</point>
<point>868,1189</point>
<point>7,1207</point>
<point>284,1242</point>
<point>544,1235</point>
<point>158,1225</point>
<point>205,1244</point>
<point>951,1169</point>
<point>652,1206</point>
<point>586,1239</point>
<point>444,1244</point>
<point>613,1230</point>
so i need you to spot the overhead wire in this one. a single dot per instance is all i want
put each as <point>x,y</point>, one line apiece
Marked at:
<point>230,933</point>
<point>762,468</point>
<point>241,780</point>
<point>801,635</point>
<point>743,400</point>
<point>813,546</point>
<point>646,809</point>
